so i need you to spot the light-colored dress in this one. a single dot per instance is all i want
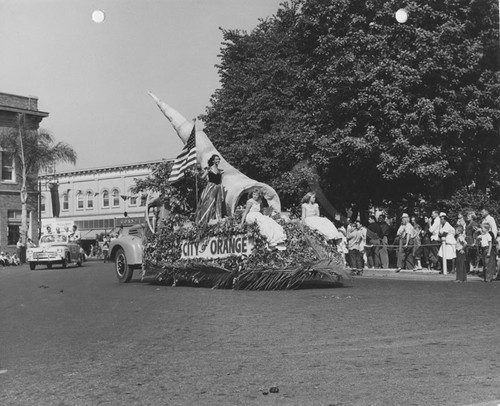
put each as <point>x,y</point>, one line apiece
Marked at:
<point>267,226</point>
<point>450,250</point>
<point>321,224</point>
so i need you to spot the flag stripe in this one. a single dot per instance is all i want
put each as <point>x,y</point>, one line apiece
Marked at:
<point>186,158</point>
<point>178,172</point>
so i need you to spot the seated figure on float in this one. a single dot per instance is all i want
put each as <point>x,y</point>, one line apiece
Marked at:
<point>268,227</point>
<point>311,218</point>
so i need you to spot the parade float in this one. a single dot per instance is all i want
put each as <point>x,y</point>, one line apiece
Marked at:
<point>227,252</point>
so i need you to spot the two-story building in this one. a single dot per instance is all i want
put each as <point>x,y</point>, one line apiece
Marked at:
<point>99,201</point>
<point>11,106</point>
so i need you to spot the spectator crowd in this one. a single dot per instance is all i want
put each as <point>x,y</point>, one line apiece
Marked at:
<point>466,245</point>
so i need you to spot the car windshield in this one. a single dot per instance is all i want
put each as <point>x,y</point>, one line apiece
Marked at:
<point>49,238</point>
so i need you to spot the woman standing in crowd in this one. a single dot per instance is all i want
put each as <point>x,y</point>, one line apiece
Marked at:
<point>447,234</point>
<point>425,239</point>
<point>461,221</point>
<point>211,205</point>
<point>269,228</point>
<point>471,232</point>
<point>460,263</point>
<point>417,247</point>
<point>373,243</point>
<point>311,218</point>
<point>385,231</point>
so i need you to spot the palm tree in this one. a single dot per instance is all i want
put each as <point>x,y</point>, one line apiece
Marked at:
<point>33,151</point>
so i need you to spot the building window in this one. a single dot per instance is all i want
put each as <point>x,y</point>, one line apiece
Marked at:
<point>105,199</point>
<point>8,168</point>
<point>13,226</point>
<point>65,201</point>
<point>90,200</point>
<point>79,201</point>
<point>132,200</point>
<point>115,194</point>
<point>42,204</point>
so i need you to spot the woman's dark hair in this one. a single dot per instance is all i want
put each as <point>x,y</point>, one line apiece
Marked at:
<point>307,197</point>
<point>212,159</point>
<point>250,193</point>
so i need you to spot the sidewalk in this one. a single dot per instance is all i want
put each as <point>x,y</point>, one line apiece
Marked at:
<point>423,274</point>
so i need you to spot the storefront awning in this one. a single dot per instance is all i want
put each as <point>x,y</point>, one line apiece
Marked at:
<point>90,234</point>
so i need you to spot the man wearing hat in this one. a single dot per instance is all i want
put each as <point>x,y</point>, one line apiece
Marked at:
<point>406,234</point>
<point>488,219</point>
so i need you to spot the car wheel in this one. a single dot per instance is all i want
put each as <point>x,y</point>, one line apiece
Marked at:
<point>80,260</point>
<point>32,266</point>
<point>49,265</point>
<point>64,263</point>
<point>123,271</point>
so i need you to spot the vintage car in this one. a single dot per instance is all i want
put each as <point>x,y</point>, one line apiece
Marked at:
<point>126,252</point>
<point>54,249</point>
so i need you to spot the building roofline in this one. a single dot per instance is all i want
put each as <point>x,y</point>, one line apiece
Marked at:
<point>19,95</point>
<point>103,169</point>
<point>27,111</point>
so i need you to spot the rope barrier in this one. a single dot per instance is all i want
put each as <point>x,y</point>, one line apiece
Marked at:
<point>412,245</point>
<point>431,258</point>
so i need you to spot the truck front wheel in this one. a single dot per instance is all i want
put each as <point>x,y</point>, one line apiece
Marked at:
<point>123,271</point>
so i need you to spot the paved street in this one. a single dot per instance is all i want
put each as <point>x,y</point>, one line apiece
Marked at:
<point>78,337</point>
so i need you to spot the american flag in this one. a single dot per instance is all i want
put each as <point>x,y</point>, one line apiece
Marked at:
<point>186,158</point>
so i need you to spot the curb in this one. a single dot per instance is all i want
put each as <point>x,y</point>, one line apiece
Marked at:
<point>405,274</point>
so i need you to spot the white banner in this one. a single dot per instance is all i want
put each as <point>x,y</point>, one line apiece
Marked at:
<point>217,247</point>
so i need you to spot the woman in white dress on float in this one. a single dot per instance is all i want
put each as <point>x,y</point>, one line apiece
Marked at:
<point>311,218</point>
<point>269,228</point>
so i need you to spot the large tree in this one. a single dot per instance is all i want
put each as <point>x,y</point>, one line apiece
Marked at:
<point>385,111</point>
<point>33,151</point>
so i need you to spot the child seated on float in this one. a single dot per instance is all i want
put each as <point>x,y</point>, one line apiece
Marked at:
<point>312,219</point>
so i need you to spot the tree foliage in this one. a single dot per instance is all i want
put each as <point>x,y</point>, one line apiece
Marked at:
<point>179,199</point>
<point>32,151</point>
<point>384,111</point>
<point>35,150</point>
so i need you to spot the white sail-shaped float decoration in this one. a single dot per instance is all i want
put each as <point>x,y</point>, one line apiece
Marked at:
<point>235,183</point>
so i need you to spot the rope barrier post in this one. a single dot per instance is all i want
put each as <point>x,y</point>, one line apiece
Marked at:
<point>443,248</point>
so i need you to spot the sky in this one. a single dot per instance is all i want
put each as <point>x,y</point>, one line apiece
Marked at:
<point>93,78</point>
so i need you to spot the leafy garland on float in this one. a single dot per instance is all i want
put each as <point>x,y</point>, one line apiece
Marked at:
<point>165,246</point>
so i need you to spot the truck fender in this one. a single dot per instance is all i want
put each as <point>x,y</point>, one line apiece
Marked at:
<point>132,248</point>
